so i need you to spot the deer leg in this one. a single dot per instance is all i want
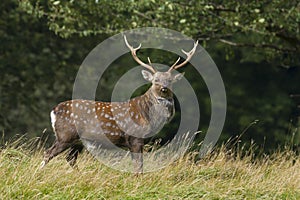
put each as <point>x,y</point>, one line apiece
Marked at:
<point>137,159</point>
<point>73,154</point>
<point>136,150</point>
<point>54,150</point>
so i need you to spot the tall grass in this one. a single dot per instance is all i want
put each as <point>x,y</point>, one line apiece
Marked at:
<point>227,173</point>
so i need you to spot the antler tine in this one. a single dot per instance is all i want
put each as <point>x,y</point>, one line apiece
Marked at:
<point>175,63</point>
<point>188,58</point>
<point>149,61</point>
<point>133,53</point>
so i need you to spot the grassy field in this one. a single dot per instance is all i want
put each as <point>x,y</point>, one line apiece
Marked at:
<point>219,176</point>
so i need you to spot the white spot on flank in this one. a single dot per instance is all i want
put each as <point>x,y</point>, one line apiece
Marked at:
<point>53,119</point>
<point>76,105</point>
<point>127,120</point>
<point>116,117</point>
<point>120,124</point>
<point>106,116</point>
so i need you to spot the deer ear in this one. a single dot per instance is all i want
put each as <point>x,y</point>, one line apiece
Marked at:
<point>147,75</point>
<point>177,77</point>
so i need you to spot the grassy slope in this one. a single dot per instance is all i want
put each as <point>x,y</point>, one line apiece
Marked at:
<point>217,177</point>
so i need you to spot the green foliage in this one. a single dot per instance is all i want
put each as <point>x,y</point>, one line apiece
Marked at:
<point>272,25</point>
<point>38,70</point>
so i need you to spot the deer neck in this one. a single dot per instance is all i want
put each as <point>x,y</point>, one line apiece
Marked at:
<point>150,101</point>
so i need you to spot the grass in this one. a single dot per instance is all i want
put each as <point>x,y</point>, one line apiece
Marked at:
<point>221,175</point>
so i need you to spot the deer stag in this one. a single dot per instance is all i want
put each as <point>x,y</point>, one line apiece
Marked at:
<point>125,124</point>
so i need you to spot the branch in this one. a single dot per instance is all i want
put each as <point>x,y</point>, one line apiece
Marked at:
<point>294,95</point>
<point>271,46</point>
<point>144,16</point>
<point>212,36</point>
<point>222,8</point>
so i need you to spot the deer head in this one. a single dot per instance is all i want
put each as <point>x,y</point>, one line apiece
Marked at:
<point>161,81</point>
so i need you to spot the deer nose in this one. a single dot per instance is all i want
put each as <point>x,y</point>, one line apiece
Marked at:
<point>164,89</point>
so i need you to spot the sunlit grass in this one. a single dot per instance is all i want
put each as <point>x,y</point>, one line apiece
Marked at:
<point>221,175</point>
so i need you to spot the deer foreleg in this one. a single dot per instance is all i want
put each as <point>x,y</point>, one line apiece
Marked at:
<point>136,149</point>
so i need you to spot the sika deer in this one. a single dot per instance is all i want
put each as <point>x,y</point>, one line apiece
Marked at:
<point>123,123</point>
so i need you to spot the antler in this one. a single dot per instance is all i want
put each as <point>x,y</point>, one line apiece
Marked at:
<point>188,58</point>
<point>133,53</point>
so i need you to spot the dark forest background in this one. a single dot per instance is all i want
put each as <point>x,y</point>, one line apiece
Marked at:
<point>256,46</point>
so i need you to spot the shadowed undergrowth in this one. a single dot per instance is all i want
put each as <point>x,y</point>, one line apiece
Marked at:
<point>224,174</point>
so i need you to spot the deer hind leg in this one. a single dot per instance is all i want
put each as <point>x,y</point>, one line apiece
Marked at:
<point>73,154</point>
<point>54,150</point>
<point>66,137</point>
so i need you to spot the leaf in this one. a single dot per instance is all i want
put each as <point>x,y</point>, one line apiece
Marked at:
<point>261,20</point>
<point>56,3</point>
<point>182,21</point>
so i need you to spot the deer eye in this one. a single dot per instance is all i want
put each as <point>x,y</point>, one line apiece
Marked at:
<point>164,90</point>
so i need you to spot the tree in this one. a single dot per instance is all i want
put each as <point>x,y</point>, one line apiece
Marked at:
<point>37,70</point>
<point>272,26</point>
